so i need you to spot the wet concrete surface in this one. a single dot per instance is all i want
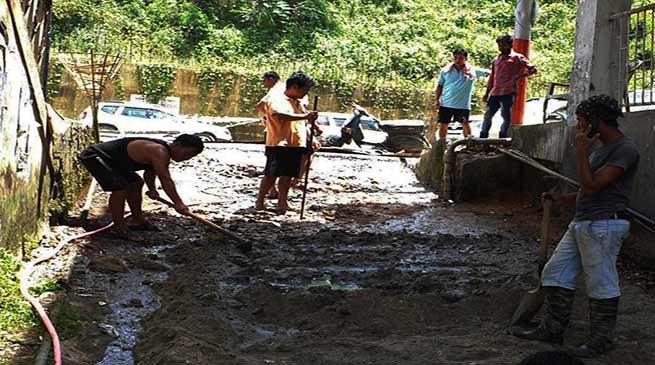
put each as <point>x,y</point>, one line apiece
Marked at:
<point>380,272</point>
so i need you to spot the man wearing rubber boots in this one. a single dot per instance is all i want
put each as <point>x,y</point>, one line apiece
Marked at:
<point>113,165</point>
<point>593,240</point>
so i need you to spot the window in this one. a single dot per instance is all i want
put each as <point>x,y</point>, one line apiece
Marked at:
<point>339,121</point>
<point>369,124</point>
<point>136,112</point>
<point>322,120</point>
<point>109,109</point>
<point>158,114</point>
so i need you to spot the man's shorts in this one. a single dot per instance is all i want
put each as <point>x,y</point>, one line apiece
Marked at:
<point>283,161</point>
<point>109,178</point>
<point>446,115</point>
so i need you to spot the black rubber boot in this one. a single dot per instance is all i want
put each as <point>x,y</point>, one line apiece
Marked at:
<point>558,311</point>
<point>602,320</point>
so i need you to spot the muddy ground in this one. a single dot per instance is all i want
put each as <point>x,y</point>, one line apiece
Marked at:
<point>381,271</point>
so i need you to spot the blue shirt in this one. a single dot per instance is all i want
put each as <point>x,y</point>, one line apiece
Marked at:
<point>457,90</point>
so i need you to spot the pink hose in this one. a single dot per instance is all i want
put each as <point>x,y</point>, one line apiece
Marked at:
<point>24,276</point>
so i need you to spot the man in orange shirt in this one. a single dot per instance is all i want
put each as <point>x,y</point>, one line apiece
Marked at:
<point>286,138</point>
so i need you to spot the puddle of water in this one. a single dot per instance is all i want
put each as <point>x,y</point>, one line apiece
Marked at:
<point>434,221</point>
<point>264,334</point>
<point>344,286</point>
<point>431,269</point>
<point>354,269</point>
<point>131,301</point>
<point>325,283</point>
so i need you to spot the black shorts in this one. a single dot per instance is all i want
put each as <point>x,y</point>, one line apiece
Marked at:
<point>283,161</point>
<point>446,115</point>
<point>109,178</point>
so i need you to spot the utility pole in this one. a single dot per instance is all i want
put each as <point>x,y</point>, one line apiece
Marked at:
<point>526,15</point>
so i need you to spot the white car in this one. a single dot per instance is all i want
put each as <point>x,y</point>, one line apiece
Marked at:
<point>124,118</point>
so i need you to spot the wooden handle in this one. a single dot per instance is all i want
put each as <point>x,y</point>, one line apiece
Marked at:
<point>545,229</point>
<point>309,162</point>
<point>207,223</point>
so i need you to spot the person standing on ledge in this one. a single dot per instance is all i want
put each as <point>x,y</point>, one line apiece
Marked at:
<point>507,68</point>
<point>454,91</point>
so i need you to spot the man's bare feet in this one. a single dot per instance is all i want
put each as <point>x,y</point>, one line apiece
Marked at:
<point>283,209</point>
<point>259,205</point>
<point>125,235</point>
<point>146,226</point>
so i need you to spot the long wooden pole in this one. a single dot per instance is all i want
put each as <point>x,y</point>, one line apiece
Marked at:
<point>309,162</point>
<point>243,243</point>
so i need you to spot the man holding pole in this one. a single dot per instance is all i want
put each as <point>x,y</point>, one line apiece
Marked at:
<point>113,165</point>
<point>593,240</point>
<point>286,138</point>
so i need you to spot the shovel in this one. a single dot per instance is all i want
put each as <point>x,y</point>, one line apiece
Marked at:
<point>244,245</point>
<point>532,300</point>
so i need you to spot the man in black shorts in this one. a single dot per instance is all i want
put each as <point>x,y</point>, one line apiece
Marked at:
<point>113,165</point>
<point>286,138</point>
<point>454,90</point>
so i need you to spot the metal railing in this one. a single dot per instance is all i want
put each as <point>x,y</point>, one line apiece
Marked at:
<point>634,37</point>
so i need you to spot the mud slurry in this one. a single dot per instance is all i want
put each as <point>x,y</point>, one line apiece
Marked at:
<point>378,273</point>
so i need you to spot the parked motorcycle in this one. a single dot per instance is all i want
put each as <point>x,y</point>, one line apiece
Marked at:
<point>401,135</point>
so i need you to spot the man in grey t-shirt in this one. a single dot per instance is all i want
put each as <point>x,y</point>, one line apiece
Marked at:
<point>593,240</point>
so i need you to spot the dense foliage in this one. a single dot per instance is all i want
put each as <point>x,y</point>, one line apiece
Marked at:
<point>374,42</point>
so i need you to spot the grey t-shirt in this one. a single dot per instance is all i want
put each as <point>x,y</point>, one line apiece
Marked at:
<point>614,198</point>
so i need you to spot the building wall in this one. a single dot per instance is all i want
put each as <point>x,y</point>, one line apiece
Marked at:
<point>20,145</point>
<point>24,206</point>
<point>640,126</point>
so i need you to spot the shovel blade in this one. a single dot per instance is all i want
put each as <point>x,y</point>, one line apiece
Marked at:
<point>529,306</point>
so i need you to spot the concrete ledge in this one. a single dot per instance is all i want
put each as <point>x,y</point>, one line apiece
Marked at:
<point>485,175</point>
<point>542,141</point>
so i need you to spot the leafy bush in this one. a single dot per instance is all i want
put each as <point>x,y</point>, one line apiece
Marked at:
<point>155,80</point>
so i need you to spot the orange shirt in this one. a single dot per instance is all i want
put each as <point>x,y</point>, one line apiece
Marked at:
<point>285,134</point>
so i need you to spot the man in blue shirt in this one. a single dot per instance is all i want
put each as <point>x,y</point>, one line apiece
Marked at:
<point>454,90</point>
